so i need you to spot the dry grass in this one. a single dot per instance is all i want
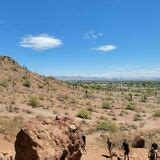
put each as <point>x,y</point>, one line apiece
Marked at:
<point>10,127</point>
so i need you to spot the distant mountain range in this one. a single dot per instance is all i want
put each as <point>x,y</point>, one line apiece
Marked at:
<point>83,78</point>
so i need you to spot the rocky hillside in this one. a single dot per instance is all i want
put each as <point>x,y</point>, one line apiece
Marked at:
<point>21,89</point>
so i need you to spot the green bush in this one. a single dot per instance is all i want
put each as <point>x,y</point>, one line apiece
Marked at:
<point>131,106</point>
<point>34,102</point>
<point>105,125</point>
<point>27,83</point>
<point>156,114</point>
<point>84,113</point>
<point>143,98</point>
<point>129,97</point>
<point>4,83</point>
<point>106,105</point>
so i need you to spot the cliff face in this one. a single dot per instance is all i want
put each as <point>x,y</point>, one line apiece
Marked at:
<point>49,139</point>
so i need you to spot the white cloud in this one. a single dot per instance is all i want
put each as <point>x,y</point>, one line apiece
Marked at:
<point>40,42</point>
<point>92,35</point>
<point>106,48</point>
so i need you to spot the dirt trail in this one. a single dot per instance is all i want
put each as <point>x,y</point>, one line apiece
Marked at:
<point>6,147</point>
<point>96,150</point>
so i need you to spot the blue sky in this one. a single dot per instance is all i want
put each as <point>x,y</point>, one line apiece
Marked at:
<point>104,38</point>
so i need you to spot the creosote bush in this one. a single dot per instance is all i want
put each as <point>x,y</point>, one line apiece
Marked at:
<point>106,105</point>
<point>84,113</point>
<point>27,83</point>
<point>137,117</point>
<point>4,83</point>
<point>106,125</point>
<point>33,101</point>
<point>131,106</point>
<point>156,114</point>
<point>143,98</point>
<point>129,97</point>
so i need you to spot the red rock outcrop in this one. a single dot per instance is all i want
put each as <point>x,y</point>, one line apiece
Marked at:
<point>49,139</point>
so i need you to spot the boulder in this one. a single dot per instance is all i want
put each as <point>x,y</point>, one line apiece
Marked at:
<point>138,142</point>
<point>49,139</point>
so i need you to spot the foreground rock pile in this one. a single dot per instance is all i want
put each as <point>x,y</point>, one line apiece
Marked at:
<point>49,139</point>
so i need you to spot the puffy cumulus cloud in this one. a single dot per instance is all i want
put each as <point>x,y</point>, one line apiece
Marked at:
<point>106,48</point>
<point>92,35</point>
<point>40,42</point>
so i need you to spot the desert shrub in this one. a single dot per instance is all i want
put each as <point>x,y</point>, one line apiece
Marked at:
<point>40,86</point>
<point>137,117</point>
<point>129,97</point>
<point>33,101</point>
<point>41,97</point>
<point>106,105</point>
<point>73,100</point>
<point>90,108</point>
<point>143,98</point>
<point>4,83</point>
<point>131,106</point>
<point>84,113</point>
<point>156,114</point>
<point>27,83</point>
<point>136,94</point>
<point>15,68</point>
<point>105,125</point>
<point>158,99</point>
<point>109,98</point>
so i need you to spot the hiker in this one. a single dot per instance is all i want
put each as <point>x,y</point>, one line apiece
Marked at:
<point>155,146</point>
<point>84,141</point>
<point>86,93</point>
<point>109,146</point>
<point>126,149</point>
<point>152,154</point>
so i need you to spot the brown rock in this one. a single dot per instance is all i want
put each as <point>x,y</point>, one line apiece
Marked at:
<point>138,142</point>
<point>49,139</point>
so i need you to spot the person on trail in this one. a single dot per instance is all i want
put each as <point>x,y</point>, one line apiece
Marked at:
<point>152,154</point>
<point>84,141</point>
<point>155,146</point>
<point>109,146</point>
<point>86,92</point>
<point>126,149</point>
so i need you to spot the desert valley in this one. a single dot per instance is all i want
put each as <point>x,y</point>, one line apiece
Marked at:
<point>117,109</point>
